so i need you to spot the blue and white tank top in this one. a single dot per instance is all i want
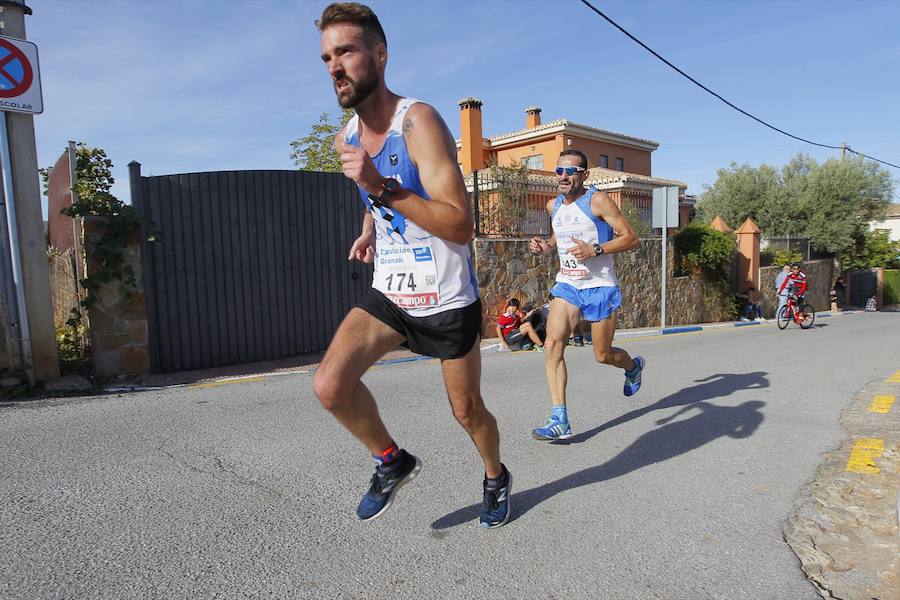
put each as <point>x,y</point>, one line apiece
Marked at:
<point>576,221</point>
<point>419,272</point>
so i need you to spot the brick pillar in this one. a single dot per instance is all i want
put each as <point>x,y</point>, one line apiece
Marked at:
<point>119,343</point>
<point>471,154</point>
<point>748,235</point>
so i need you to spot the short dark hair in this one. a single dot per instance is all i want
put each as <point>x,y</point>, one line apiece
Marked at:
<point>355,14</point>
<point>578,153</point>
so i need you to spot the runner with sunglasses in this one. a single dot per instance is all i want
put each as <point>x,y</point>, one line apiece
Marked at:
<point>588,228</point>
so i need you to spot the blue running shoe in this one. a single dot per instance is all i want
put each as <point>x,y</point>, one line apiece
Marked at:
<point>633,381</point>
<point>495,508</point>
<point>386,481</point>
<point>553,430</point>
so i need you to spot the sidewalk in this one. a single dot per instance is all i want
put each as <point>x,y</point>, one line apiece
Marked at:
<point>307,363</point>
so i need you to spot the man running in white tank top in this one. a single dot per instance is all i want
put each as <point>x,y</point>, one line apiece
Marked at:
<point>588,228</point>
<point>424,295</point>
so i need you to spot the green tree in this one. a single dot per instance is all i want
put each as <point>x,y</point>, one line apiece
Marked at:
<point>315,151</point>
<point>875,249</point>
<point>842,197</point>
<point>831,203</point>
<point>741,191</point>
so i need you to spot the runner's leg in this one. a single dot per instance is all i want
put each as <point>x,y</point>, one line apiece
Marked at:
<point>360,340</point>
<point>462,378</point>
<point>562,320</point>
<point>604,352</point>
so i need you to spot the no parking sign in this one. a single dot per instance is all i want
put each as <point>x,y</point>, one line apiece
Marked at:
<point>20,79</point>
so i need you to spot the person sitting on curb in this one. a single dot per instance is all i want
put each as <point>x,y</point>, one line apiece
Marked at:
<point>752,310</point>
<point>512,331</point>
<point>871,304</point>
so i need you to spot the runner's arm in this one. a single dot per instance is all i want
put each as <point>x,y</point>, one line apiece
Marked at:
<point>603,207</point>
<point>448,214</point>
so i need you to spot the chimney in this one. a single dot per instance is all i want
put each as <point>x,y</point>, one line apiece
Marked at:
<point>471,154</point>
<point>532,117</point>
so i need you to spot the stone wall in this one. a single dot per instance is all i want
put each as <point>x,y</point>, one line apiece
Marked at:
<point>820,274</point>
<point>118,326</point>
<point>505,269</point>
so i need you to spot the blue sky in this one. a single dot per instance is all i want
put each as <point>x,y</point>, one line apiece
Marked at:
<point>205,85</point>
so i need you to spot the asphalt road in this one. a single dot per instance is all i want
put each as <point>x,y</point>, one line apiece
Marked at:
<point>247,490</point>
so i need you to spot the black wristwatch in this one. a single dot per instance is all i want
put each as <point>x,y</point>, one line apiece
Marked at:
<point>598,250</point>
<point>389,186</point>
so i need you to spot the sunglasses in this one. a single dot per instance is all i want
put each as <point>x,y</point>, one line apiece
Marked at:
<point>569,170</point>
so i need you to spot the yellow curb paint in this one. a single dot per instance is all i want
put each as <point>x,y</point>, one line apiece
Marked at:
<point>212,384</point>
<point>862,457</point>
<point>881,404</point>
<point>895,378</point>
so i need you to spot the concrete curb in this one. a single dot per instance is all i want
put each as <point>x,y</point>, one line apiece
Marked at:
<point>625,334</point>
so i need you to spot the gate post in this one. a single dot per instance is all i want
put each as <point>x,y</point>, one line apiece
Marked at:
<point>748,255</point>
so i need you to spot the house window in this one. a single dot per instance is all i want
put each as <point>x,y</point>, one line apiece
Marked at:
<point>620,164</point>
<point>535,162</point>
<point>603,162</point>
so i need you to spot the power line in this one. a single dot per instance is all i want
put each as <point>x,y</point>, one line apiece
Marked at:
<point>740,110</point>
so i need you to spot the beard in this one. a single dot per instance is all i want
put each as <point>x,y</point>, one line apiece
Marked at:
<point>359,90</point>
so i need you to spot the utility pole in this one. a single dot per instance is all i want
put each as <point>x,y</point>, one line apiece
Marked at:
<point>23,196</point>
<point>843,149</point>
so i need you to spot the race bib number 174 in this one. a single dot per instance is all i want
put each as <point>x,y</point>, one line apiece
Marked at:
<point>407,275</point>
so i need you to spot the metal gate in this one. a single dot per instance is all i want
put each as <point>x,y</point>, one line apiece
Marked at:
<point>862,285</point>
<point>247,265</point>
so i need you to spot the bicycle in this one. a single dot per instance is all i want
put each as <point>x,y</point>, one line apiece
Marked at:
<point>791,312</point>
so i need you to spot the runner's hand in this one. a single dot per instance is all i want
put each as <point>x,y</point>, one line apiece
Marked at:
<point>363,249</point>
<point>358,166</point>
<point>538,246</point>
<point>582,250</point>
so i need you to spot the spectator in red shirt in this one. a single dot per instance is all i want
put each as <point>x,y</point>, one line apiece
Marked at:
<point>512,331</point>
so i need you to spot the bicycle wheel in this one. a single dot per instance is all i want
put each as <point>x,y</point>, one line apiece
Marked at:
<point>783,318</point>
<point>810,313</point>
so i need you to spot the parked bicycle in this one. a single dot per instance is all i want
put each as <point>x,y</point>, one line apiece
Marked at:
<point>803,315</point>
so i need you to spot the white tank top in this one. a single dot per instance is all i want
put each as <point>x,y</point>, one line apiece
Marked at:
<point>577,221</point>
<point>419,272</point>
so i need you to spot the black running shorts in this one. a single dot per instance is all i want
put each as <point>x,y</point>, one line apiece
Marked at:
<point>449,334</point>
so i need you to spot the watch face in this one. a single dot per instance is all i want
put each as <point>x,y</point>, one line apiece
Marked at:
<point>390,184</point>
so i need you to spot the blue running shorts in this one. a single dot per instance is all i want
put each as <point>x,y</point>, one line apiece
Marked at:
<point>596,304</point>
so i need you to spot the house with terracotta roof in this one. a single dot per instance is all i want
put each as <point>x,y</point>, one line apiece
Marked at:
<point>619,164</point>
<point>891,222</point>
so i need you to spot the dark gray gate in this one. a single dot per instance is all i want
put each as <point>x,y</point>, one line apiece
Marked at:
<point>862,285</point>
<point>248,265</point>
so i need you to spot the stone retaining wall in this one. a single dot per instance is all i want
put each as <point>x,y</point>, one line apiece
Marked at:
<point>505,269</point>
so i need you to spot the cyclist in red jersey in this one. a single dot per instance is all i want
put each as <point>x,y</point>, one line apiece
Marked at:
<point>796,284</point>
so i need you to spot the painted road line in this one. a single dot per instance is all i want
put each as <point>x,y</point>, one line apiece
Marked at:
<point>895,378</point>
<point>881,404</point>
<point>212,384</point>
<point>862,457</point>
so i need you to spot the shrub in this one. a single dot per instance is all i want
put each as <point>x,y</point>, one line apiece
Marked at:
<point>698,247</point>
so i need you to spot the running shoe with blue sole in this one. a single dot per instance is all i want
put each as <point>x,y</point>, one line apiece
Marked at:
<point>495,509</point>
<point>553,430</point>
<point>386,481</point>
<point>633,383</point>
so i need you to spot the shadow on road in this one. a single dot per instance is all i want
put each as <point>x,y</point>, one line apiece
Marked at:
<point>669,440</point>
<point>714,386</point>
